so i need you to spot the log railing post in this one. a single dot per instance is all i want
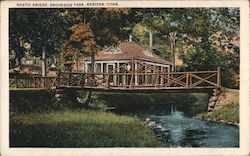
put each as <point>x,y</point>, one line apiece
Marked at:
<point>190,81</point>
<point>157,78</point>
<point>58,78</point>
<point>187,81</point>
<point>108,85</point>
<point>218,77</point>
<point>30,82</point>
<point>16,83</point>
<point>70,75</point>
<point>44,82</point>
<point>34,85</point>
<point>82,79</point>
<point>132,74</point>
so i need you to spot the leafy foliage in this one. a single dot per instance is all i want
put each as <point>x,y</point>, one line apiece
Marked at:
<point>43,28</point>
<point>206,37</point>
<point>80,41</point>
<point>93,29</point>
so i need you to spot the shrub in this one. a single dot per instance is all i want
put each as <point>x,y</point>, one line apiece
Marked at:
<point>30,100</point>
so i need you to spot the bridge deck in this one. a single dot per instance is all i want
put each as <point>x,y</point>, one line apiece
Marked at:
<point>145,90</point>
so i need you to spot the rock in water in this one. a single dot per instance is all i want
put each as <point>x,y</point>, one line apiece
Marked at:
<point>147,119</point>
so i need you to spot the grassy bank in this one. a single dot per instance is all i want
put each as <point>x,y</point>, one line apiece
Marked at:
<point>36,121</point>
<point>79,129</point>
<point>229,113</point>
<point>225,113</point>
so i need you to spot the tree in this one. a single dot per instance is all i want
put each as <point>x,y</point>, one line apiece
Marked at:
<point>196,36</point>
<point>43,28</point>
<point>93,29</point>
<point>80,41</point>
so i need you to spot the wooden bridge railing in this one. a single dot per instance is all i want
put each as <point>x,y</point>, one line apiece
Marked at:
<point>128,80</point>
<point>31,82</point>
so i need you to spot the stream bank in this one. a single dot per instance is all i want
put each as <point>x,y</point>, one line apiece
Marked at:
<point>223,107</point>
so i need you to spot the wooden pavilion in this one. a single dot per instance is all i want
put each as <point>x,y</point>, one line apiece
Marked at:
<point>114,59</point>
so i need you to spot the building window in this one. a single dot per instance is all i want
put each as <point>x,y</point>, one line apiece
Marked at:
<point>88,67</point>
<point>98,68</point>
<point>113,50</point>
<point>148,52</point>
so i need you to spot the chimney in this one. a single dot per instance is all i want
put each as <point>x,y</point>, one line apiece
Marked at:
<point>130,38</point>
<point>150,39</point>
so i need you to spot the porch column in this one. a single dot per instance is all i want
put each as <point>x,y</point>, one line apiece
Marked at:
<point>102,67</point>
<point>146,76</point>
<point>86,70</point>
<point>124,79</point>
<point>95,67</point>
<point>86,67</point>
<point>118,71</point>
<point>168,69</point>
<point>161,76</point>
<point>136,76</point>
<point>114,78</point>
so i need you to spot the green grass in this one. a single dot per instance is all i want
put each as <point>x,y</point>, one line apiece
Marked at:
<point>199,95</point>
<point>79,129</point>
<point>228,113</point>
<point>233,93</point>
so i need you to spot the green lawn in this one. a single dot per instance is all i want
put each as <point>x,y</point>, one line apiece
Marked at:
<point>67,128</point>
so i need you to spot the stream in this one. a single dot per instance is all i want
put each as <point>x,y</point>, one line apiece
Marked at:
<point>186,131</point>
<point>190,132</point>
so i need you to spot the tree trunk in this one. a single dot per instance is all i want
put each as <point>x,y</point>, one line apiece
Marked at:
<point>172,38</point>
<point>174,58</point>
<point>87,98</point>
<point>43,64</point>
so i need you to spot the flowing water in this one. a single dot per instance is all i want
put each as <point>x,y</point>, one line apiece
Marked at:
<point>186,131</point>
<point>190,132</point>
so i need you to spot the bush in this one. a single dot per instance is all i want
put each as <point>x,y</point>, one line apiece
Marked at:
<point>142,101</point>
<point>97,105</point>
<point>31,100</point>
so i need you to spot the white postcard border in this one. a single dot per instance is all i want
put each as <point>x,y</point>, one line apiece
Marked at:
<point>244,85</point>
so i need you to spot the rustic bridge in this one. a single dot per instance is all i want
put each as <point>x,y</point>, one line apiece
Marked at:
<point>121,79</point>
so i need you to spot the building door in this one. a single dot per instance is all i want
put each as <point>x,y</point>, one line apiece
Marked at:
<point>110,68</point>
